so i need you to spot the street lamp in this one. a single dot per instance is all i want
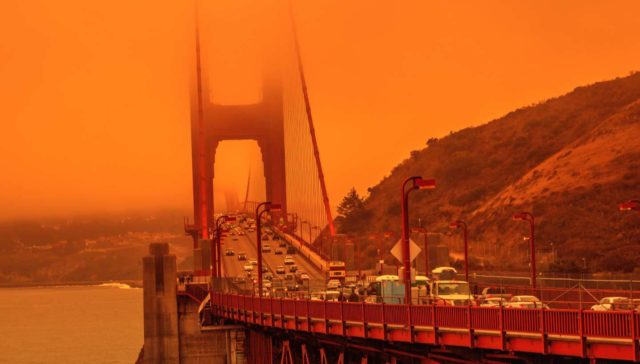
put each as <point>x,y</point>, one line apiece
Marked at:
<point>268,206</point>
<point>461,224</point>
<point>417,183</point>
<point>215,248</point>
<point>302,223</point>
<point>527,216</point>
<point>631,205</point>
<point>319,235</point>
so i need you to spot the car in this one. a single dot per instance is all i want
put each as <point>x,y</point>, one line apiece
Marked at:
<point>288,260</point>
<point>265,237</point>
<point>242,256</point>
<point>235,238</point>
<point>293,268</point>
<point>282,244</point>
<point>612,304</point>
<point>493,302</point>
<point>304,277</point>
<point>229,252</point>
<point>493,292</point>
<point>291,250</point>
<point>280,269</point>
<point>266,248</point>
<point>333,284</point>
<point>325,296</point>
<point>267,276</point>
<point>248,267</point>
<point>525,302</point>
<point>278,251</point>
<point>253,262</point>
<point>264,269</point>
<point>276,237</point>
<point>289,277</point>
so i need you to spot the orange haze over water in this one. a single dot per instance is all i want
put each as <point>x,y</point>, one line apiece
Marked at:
<point>94,103</point>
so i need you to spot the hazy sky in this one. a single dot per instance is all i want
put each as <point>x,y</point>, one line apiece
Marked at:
<point>94,107</point>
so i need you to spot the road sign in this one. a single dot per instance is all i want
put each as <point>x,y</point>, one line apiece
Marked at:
<point>396,251</point>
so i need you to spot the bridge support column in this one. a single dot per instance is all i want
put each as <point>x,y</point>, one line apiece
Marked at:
<point>160,306</point>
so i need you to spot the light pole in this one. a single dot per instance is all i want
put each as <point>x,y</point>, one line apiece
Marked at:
<point>314,248</point>
<point>268,206</point>
<point>461,224</point>
<point>308,223</point>
<point>416,183</point>
<point>527,216</point>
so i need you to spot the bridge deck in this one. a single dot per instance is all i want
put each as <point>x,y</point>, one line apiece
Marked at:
<point>587,334</point>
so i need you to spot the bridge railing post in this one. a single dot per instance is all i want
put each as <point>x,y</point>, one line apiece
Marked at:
<point>503,342</point>
<point>583,344</point>
<point>634,334</point>
<point>365,330</point>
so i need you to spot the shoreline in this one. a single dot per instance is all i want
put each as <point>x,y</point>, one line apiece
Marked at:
<point>129,282</point>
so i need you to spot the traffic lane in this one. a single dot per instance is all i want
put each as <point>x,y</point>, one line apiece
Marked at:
<point>235,266</point>
<point>274,260</point>
<point>247,244</point>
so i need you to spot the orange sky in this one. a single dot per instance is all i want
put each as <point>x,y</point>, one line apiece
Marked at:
<point>94,106</point>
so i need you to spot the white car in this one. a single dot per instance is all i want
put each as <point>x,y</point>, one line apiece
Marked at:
<point>494,302</point>
<point>248,267</point>
<point>304,277</point>
<point>333,284</point>
<point>525,302</point>
<point>288,260</point>
<point>612,303</point>
<point>253,262</point>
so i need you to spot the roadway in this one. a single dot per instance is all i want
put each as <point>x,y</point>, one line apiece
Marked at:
<point>232,267</point>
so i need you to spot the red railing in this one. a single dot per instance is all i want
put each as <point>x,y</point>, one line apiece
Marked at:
<point>617,329</point>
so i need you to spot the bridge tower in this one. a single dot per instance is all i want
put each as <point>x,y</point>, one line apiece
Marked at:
<point>213,123</point>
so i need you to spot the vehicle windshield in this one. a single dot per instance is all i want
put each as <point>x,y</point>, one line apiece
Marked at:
<point>453,288</point>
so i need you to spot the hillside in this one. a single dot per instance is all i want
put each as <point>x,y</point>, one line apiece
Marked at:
<point>568,160</point>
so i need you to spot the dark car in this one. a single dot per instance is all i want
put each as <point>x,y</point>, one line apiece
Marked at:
<point>282,244</point>
<point>229,252</point>
<point>293,268</point>
<point>242,256</point>
<point>278,251</point>
<point>291,250</point>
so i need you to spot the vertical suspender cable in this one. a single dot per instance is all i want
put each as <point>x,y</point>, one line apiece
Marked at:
<point>316,153</point>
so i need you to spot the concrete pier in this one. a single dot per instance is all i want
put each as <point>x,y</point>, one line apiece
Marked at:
<point>160,306</point>
<point>173,333</point>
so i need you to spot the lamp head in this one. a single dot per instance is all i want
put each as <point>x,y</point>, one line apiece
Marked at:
<point>520,216</point>
<point>424,184</point>
<point>273,207</point>
<point>629,205</point>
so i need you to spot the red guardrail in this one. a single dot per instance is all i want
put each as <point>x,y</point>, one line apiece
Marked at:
<point>599,327</point>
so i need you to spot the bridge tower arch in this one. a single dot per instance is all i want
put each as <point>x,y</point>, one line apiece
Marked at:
<point>213,123</point>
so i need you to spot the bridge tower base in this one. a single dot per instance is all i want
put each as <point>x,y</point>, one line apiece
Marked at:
<point>172,330</point>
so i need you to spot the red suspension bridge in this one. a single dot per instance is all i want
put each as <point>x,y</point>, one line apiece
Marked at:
<point>301,330</point>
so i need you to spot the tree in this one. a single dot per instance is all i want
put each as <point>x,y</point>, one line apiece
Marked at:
<point>353,216</point>
<point>351,204</point>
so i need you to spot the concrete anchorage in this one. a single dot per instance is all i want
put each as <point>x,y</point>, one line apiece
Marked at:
<point>173,333</point>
